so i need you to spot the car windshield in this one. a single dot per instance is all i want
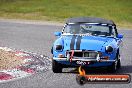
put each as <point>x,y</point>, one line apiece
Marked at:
<point>85,28</point>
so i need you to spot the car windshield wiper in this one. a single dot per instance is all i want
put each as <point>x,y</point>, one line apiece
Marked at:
<point>110,36</point>
<point>104,36</point>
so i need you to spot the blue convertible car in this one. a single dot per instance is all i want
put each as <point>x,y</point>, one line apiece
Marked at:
<point>89,42</point>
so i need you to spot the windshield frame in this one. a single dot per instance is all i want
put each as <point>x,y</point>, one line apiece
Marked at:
<point>111,28</point>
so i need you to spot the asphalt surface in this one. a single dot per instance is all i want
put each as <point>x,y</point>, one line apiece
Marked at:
<point>39,39</point>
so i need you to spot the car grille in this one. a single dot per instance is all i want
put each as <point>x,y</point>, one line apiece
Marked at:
<point>88,54</point>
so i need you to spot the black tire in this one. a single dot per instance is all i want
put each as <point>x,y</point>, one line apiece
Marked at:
<point>118,60</point>
<point>119,64</point>
<point>56,67</point>
<point>112,68</point>
<point>116,65</point>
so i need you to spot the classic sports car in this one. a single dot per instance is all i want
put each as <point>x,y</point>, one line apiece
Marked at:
<point>89,42</point>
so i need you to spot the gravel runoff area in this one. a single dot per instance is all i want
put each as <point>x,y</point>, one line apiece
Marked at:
<point>9,60</point>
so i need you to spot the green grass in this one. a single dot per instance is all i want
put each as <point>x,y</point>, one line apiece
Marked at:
<point>119,11</point>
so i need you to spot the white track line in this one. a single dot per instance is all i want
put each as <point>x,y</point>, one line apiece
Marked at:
<point>34,22</point>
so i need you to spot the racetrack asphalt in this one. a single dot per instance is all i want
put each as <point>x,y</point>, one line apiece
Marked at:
<point>39,39</point>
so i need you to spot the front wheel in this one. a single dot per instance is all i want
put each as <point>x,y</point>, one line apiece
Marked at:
<point>112,68</point>
<point>56,67</point>
<point>119,63</point>
<point>116,65</point>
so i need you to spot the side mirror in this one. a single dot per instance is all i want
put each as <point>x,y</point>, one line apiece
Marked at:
<point>57,33</point>
<point>120,36</point>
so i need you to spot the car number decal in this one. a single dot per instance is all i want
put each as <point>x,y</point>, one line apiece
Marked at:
<point>81,62</point>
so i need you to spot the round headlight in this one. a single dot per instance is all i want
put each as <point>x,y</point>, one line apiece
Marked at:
<point>59,47</point>
<point>109,49</point>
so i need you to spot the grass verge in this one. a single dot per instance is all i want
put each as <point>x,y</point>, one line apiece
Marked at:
<point>119,11</point>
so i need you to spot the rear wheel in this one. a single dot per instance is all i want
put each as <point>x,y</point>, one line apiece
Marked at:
<point>56,67</point>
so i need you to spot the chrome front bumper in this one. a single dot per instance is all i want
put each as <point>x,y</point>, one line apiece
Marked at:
<point>97,59</point>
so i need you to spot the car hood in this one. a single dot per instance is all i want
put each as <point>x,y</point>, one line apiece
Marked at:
<point>84,42</point>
